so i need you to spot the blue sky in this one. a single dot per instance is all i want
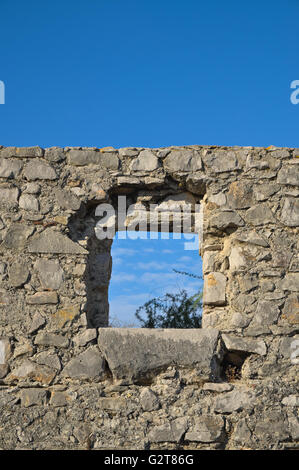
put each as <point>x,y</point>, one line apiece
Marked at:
<point>148,73</point>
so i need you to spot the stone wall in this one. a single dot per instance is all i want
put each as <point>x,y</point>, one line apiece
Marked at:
<point>69,382</point>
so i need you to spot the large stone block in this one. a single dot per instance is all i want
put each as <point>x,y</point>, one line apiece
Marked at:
<point>214,289</point>
<point>88,364</point>
<point>183,160</point>
<point>107,160</point>
<point>50,273</point>
<point>146,161</point>
<point>39,170</point>
<point>52,241</point>
<point>10,168</point>
<point>136,353</point>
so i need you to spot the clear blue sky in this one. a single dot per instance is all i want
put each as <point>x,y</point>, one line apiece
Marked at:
<point>148,73</point>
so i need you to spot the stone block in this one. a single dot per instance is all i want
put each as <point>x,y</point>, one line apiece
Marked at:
<point>136,353</point>
<point>214,289</point>
<point>87,365</point>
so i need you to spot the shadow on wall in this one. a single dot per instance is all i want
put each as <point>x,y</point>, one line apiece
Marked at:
<point>98,268</point>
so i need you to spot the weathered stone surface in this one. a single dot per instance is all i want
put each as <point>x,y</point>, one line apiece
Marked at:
<point>5,350</point>
<point>9,196</point>
<point>39,170</point>
<point>208,428</point>
<point>108,160</point>
<point>28,370</point>
<point>291,400</point>
<point>59,398</point>
<point>290,311</point>
<point>87,365</point>
<point>29,203</point>
<point>54,154</point>
<point>169,432</point>
<point>220,161</point>
<point>85,337</point>
<point>37,321</point>
<point>226,219</point>
<point>288,175</point>
<point>237,260</point>
<point>49,339</point>
<point>214,289</point>
<point>49,359</point>
<point>260,214</point>
<point>149,400</point>
<point>41,298</point>
<point>217,387</point>
<point>10,168</point>
<point>17,236</point>
<point>291,282</point>
<point>272,425</point>
<point>290,212</point>
<point>236,400</point>
<point>52,241</point>
<point>242,433</point>
<point>18,273</point>
<point>266,313</point>
<point>65,316</point>
<point>21,152</point>
<point>33,396</point>
<point>136,353</point>
<point>183,160</point>
<point>32,188</point>
<point>146,161</point>
<point>50,273</point>
<point>240,195</point>
<point>294,427</point>
<point>235,343</point>
<point>67,200</point>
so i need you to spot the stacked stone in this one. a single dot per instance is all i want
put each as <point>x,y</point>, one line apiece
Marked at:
<point>91,388</point>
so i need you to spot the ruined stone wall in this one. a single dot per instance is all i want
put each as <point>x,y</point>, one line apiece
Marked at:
<point>66,381</point>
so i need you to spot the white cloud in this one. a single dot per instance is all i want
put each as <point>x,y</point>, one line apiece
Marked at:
<point>123,251</point>
<point>123,277</point>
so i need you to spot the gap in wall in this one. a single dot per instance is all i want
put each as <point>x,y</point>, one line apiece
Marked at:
<point>143,266</point>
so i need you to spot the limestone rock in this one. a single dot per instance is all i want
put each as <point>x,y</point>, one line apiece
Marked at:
<point>236,343</point>
<point>9,196</point>
<point>39,170</point>
<point>17,236</point>
<point>88,364</point>
<point>146,161</point>
<point>52,241</point>
<point>208,428</point>
<point>172,431</point>
<point>107,160</point>
<point>134,353</point>
<point>288,175</point>
<point>149,400</point>
<point>183,160</point>
<point>29,370</point>
<point>221,161</point>
<point>41,298</point>
<point>85,337</point>
<point>33,396</point>
<point>217,387</point>
<point>214,289</point>
<point>50,273</point>
<point>236,400</point>
<point>10,168</point>
<point>50,339</point>
<point>290,212</point>
<point>18,273</point>
<point>29,203</point>
<point>54,154</point>
<point>67,200</point>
